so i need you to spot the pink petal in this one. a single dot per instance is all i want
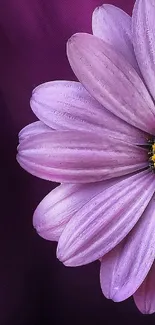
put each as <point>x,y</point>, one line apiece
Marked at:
<point>124,269</point>
<point>111,80</point>
<point>83,157</point>
<point>34,128</point>
<point>66,105</point>
<point>144,297</point>
<point>57,208</point>
<point>143,26</point>
<point>105,220</point>
<point>113,25</point>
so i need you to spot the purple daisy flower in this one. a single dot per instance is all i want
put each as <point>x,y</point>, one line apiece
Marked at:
<point>97,138</point>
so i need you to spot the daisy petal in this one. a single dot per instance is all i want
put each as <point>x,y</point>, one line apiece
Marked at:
<point>124,269</point>
<point>105,220</point>
<point>83,157</point>
<point>67,105</point>
<point>57,208</point>
<point>111,80</point>
<point>113,25</point>
<point>144,297</point>
<point>34,128</point>
<point>143,27</point>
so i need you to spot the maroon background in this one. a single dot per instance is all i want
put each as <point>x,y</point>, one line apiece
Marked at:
<point>35,288</point>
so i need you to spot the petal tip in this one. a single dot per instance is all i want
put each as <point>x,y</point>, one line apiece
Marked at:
<point>77,37</point>
<point>73,38</point>
<point>97,9</point>
<point>60,255</point>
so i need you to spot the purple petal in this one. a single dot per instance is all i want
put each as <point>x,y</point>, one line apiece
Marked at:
<point>83,157</point>
<point>143,27</point>
<point>124,269</point>
<point>111,80</point>
<point>66,105</point>
<point>113,25</point>
<point>105,220</point>
<point>34,128</point>
<point>57,208</point>
<point>144,297</point>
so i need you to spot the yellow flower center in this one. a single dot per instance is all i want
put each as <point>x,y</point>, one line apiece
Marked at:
<point>152,154</point>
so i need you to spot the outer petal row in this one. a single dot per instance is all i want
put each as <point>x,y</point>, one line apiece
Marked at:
<point>58,207</point>
<point>105,220</point>
<point>143,28</point>
<point>124,269</point>
<point>111,80</point>
<point>144,297</point>
<point>113,25</point>
<point>67,105</point>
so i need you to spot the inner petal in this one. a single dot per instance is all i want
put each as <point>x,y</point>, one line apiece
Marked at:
<point>79,157</point>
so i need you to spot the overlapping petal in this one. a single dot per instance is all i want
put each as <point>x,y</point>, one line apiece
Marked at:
<point>34,128</point>
<point>59,206</point>
<point>144,297</point>
<point>67,105</point>
<point>125,267</point>
<point>109,78</point>
<point>102,223</point>
<point>83,157</point>
<point>143,28</point>
<point>113,25</point>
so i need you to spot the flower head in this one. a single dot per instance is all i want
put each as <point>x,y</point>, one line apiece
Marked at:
<point>97,138</point>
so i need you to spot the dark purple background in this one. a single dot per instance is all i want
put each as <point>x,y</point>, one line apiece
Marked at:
<point>35,288</point>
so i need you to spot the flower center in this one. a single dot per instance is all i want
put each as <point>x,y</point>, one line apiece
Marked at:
<point>151,153</point>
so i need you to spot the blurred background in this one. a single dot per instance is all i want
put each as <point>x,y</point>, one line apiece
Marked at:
<point>35,288</point>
